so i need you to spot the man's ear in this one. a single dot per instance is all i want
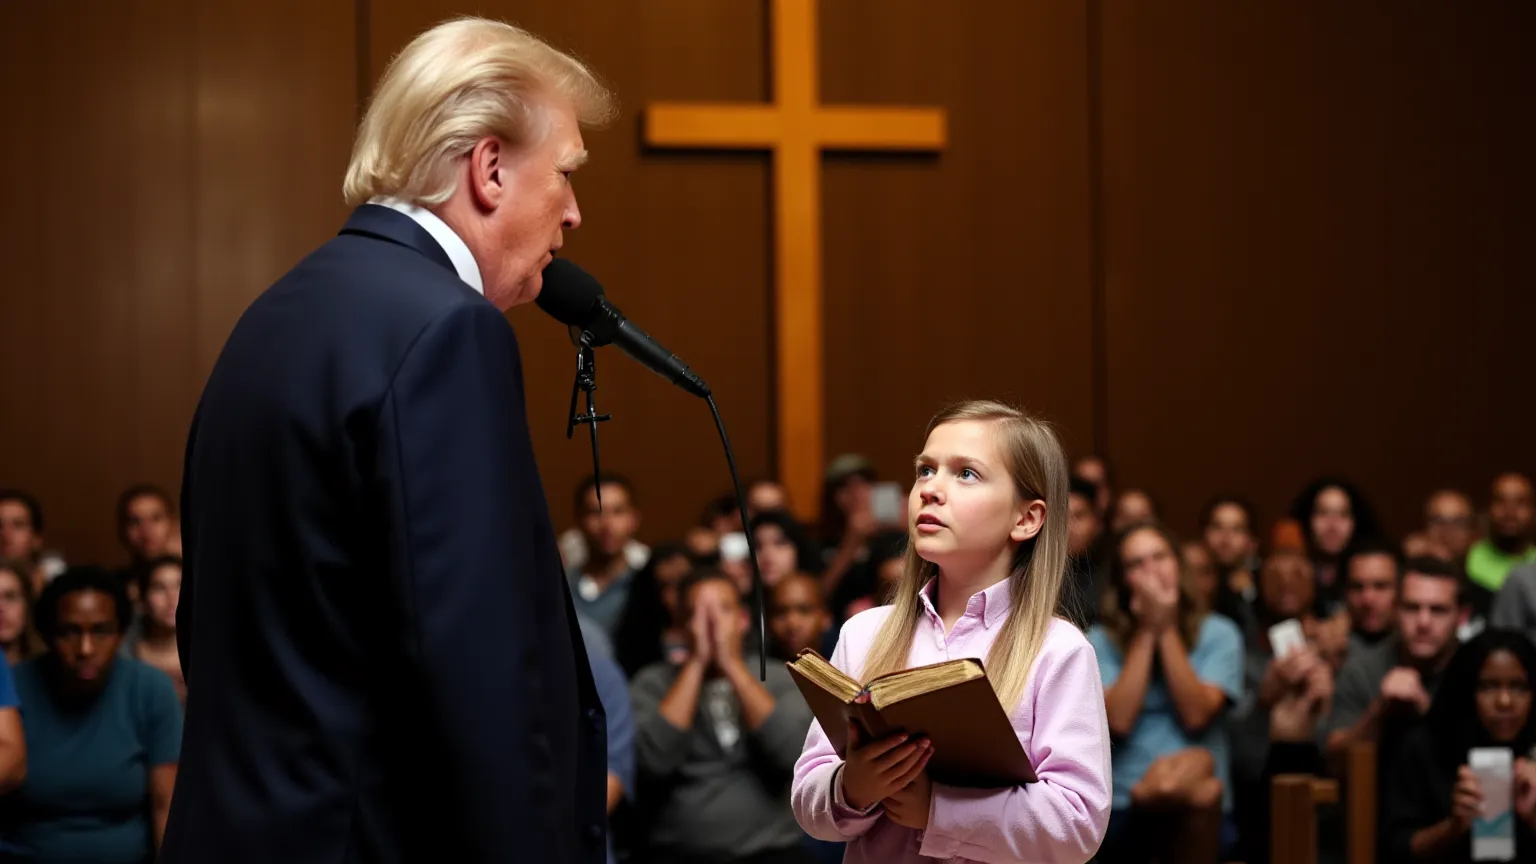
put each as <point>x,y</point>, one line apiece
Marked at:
<point>488,174</point>
<point>1030,520</point>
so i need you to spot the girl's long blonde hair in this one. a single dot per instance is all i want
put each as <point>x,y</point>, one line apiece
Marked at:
<point>1033,457</point>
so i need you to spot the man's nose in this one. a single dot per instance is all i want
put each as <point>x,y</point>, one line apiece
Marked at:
<point>572,215</point>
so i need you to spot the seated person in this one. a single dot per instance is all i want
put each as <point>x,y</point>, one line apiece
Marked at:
<point>1511,514</point>
<point>1203,575</point>
<point>1297,713</point>
<point>715,747</point>
<point>600,585</point>
<point>1085,534</point>
<point>783,547</point>
<point>1371,574</point>
<point>1514,607</point>
<point>798,619</point>
<point>17,635</point>
<point>13,743</point>
<point>103,733</point>
<point>154,640</point>
<point>1228,527</point>
<point>651,628</point>
<point>764,494</point>
<point>886,556</point>
<point>1171,670</point>
<point>1132,507</point>
<point>146,515</point>
<point>1429,795</point>
<point>1384,689</point>
<point>1286,592</point>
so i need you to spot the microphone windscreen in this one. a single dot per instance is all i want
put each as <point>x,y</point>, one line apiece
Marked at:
<point>570,294</point>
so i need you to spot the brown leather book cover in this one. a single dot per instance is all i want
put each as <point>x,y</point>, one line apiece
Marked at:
<point>974,745</point>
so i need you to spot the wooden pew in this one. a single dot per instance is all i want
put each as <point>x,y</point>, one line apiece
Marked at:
<point>1360,803</point>
<point>1294,799</point>
<point>1293,816</point>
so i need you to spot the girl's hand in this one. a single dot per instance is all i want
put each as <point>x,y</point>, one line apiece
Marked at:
<point>875,770</point>
<point>908,807</point>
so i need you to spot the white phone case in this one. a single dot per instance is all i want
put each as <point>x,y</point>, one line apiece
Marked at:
<point>885,500</point>
<point>1286,637</point>
<point>1493,831</point>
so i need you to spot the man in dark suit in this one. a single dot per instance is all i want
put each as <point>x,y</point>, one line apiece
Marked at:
<point>382,658</point>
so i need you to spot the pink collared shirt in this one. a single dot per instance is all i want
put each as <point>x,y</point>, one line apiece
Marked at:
<point>1060,721</point>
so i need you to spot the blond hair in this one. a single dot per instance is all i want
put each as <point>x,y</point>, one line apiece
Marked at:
<point>1034,459</point>
<point>456,83</point>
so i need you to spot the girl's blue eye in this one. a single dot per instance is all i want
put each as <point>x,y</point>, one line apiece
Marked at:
<point>923,470</point>
<point>967,473</point>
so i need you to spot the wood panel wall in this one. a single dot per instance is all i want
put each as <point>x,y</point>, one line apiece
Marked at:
<point>1317,248</point>
<point>1233,246</point>
<point>165,161</point>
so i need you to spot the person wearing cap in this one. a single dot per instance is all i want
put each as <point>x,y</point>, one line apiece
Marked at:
<point>847,524</point>
<point>382,659</point>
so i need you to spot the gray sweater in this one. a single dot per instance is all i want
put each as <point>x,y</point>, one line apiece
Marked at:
<point>718,789</point>
<point>1514,606</point>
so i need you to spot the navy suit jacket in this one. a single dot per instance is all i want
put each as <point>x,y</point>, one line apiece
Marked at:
<point>382,660</point>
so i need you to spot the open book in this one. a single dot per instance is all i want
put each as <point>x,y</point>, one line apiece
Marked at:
<point>951,703</point>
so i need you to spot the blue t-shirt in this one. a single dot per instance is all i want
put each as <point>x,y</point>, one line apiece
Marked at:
<point>1217,659</point>
<point>86,797</point>
<point>613,693</point>
<point>8,698</point>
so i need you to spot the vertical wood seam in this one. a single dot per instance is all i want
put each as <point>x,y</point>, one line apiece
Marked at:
<point>363,38</point>
<point>1099,312</point>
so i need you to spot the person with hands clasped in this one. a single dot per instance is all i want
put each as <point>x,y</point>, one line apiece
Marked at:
<point>982,577</point>
<point>1430,797</point>
<point>714,746</point>
<point>1172,670</point>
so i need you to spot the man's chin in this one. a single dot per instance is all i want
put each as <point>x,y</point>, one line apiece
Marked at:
<point>529,289</point>
<point>519,295</point>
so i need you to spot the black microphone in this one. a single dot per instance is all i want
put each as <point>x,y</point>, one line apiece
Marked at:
<point>573,297</point>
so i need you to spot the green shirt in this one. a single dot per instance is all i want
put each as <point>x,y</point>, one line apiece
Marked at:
<point>1488,565</point>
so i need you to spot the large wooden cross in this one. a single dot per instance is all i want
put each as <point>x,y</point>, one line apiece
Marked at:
<point>795,128</point>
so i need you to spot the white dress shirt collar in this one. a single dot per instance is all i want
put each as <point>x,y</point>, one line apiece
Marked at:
<point>458,251</point>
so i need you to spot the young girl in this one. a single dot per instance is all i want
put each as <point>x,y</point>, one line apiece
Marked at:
<point>982,578</point>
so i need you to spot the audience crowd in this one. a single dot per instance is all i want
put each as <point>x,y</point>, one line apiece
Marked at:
<point>1245,650</point>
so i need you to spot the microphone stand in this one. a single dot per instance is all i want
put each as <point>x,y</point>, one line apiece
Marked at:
<point>586,382</point>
